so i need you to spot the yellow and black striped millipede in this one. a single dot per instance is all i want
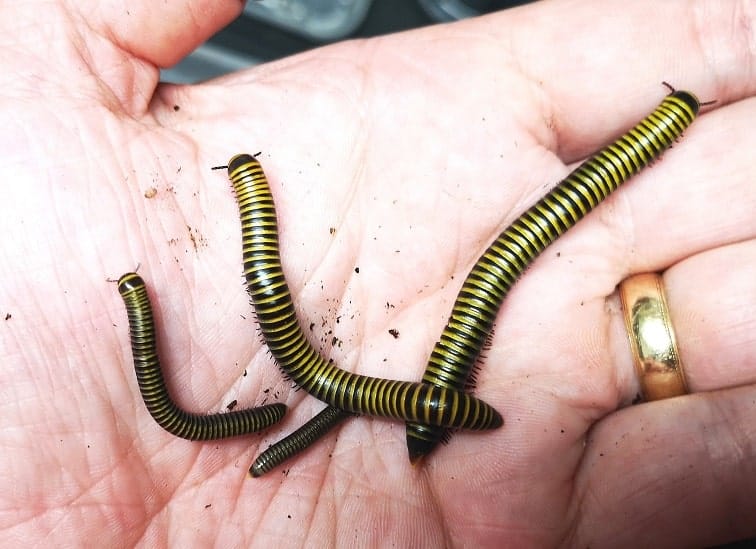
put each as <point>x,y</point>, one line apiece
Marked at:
<point>454,355</point>
<point>267,287</point>
<point>152,386</point>
<point>483,291</point>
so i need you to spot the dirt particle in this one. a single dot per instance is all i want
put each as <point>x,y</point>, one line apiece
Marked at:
<point>198,241</point>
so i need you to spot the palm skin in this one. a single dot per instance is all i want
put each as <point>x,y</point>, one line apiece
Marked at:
<point>403,157</point>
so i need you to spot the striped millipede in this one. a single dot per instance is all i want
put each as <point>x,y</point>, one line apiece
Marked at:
<point>317,427</point>
<point>152,386</point>
<point>454,355</point>
<point>577,195</point>
<point>267,287</point>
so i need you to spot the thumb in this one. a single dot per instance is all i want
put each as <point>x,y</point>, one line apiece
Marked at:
<point>159,32</point>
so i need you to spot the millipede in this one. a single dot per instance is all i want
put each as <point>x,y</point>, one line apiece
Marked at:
<point>271,298</point>
<point>477,304</point>
<point>152,385</point>
<point>320,425</point>
<point>453,357</point>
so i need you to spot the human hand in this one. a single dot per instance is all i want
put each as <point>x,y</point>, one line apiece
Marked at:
<point>418,149</point>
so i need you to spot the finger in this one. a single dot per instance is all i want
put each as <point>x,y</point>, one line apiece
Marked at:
<point>673,472</point>
<point>616,63</point>
<point>713,296</point>
<point>160,32</point>
<point>700,195</point>
<point>711,299</point>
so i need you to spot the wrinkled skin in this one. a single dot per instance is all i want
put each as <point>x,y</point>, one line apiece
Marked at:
<point>418,149</point>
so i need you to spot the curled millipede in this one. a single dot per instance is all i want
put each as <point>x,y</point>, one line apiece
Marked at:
<point>152,386</point>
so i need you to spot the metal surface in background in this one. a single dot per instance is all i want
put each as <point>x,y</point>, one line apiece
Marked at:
<point>271,29</point>
<point>318,20</point>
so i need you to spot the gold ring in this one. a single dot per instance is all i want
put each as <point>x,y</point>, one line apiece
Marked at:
<point>652,339</point>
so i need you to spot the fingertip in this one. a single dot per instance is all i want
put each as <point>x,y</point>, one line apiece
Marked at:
<point>165,32</point>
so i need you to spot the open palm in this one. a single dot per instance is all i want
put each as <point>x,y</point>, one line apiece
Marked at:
<point>394,163</point>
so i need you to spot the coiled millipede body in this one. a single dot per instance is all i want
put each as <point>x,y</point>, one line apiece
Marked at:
<point>152,386</point>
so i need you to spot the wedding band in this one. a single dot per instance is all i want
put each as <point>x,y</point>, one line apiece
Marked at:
<point>652,338</point>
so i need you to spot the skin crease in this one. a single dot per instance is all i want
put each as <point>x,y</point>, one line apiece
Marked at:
<point>418,149</point>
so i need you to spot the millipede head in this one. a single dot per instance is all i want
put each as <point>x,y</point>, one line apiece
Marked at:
<point>688,98</point>
<point>129,282</point>
<point>241,160</point>
<point>238,160</point>
<point>685,96</point>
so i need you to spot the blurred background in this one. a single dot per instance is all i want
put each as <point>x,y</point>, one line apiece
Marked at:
<point>271,29</point>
